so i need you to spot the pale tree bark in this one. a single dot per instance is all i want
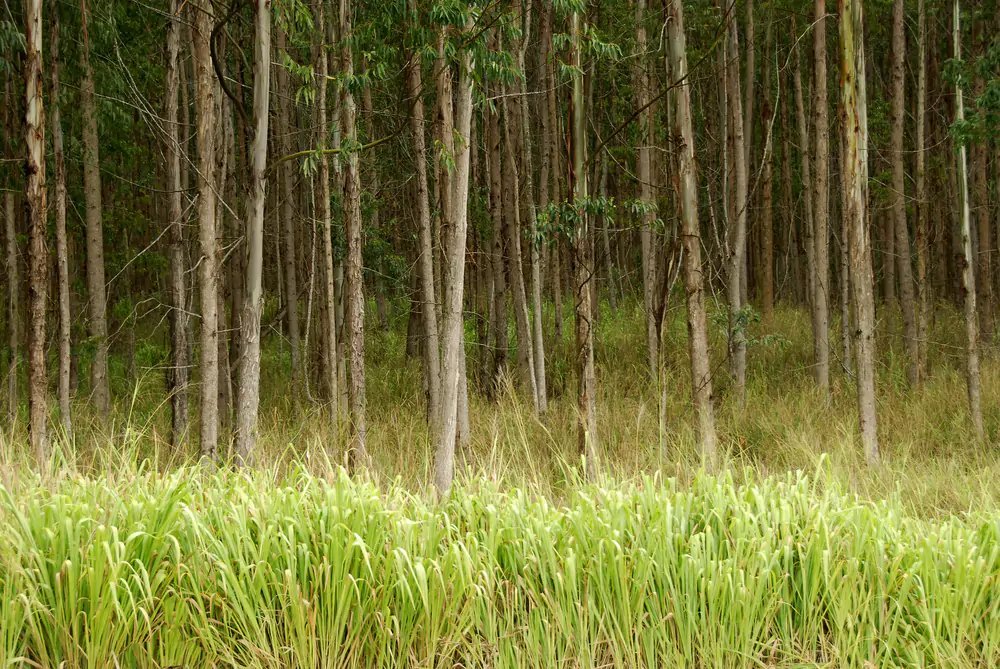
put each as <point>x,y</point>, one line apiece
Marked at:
<point>968,276</point>
<point>208,263</point>
<point>907,302</point>
<point>453,277</point>
<point>738,224</point>
<point>179,372</point>
<point>583,265</point>
<point>749,89</point>
<point>287,197</point>
<point>644,174</point>
<point>526,150</point>
<point>354,323</point>
<point>326,220</point>
<point>248,372</point>
<point>922,238</point>
<point>551,148</point>
<point>425,262</point>
<point>97,293</point>
<point>34,210</point>
<point>821,206</point>
<point>500,338</point>
<point>62,253</point>
<point>701,373</point>
<point>852,77</point>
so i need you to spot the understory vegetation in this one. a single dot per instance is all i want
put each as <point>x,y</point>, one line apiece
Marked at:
<point>194,569</point>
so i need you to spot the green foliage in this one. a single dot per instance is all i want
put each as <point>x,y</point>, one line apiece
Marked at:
<point>228,570</point>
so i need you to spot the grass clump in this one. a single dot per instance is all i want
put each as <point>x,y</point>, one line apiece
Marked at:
<point>190,569</point>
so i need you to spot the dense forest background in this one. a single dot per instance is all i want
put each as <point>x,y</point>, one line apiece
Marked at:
<point>427,224</point>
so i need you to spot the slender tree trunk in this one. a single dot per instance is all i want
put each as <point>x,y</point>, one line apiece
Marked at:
<point>981,206</point>
<point>357,454</point>
<point>326,219</point>
<point>766,278</point>
<point>906,298</point>
<point>807,192</point>
<point>13,304</point>
<point>208,264</point>
<point>287,196</point>
<point>852,76</point>
<point>821,205</point>
<point>583,265</point>
<point>968,277</point>
<point>62,253</point>
<point>453,277</point>
<point>515,268</point>
<point>701,373</point>
<point>425,265</point>
<point>248,373</point>
<point>34,210</point>
<point>97,296</point>
<point>526,150</point>
<point>179,372</point>
<point>500,341</point>
<point>923,250</point>
<point>738,224</point>
<point>644,174</point>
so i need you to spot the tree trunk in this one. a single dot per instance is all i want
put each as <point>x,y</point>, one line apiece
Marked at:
<point>326,219</point>
<point>852,76</point>
<point>515,268</point>
<point>701,373</point>
<point>453,277</point>
<point>583,265</point>
<point>738,224</point>
<point>646,199</point>
<point>97,300</point>
<point>248,373</point>
<point>821,206</point>
<point>905,273</point>
<point>34,210</point>
<point>968,277</point>
<point>62,253</point>
<point>766,277</point>
<point>13,304</point>
<point>923,250</point>
<point>286,173</point>
<point>425,264</point>
<point>357,453</point>
<point>807,193</point>
<point>208,263</point>
<point>526,146</point>
<point>179,372</point>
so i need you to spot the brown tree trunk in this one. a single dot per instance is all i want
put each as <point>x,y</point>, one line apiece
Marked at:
<point>97,296</point>
<point>821,205</point>
<point>701,373</point>
<point>648,203</point>
<point>905,272</point>
<point>34,214</point>
<point>357,453</point>
<point>179,372</point>
<point>852,76</point>
<point>208,263</point>
<point>738,223</point>
<point>62,253</point>
<point>923,250</point>
<point>584,270</point>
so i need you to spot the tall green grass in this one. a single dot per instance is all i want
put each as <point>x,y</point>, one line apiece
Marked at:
<point>196,570</point>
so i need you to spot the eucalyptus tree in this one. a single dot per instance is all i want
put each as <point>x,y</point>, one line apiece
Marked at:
<point>96,289</point>
<point>820,204</point>
<point>35,209</point>
<point>855,105</point>
<point>248,387</point>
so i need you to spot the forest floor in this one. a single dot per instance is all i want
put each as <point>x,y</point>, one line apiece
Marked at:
<point>931,461</point>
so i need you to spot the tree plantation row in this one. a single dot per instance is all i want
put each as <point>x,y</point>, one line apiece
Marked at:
<point>225,177</point>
